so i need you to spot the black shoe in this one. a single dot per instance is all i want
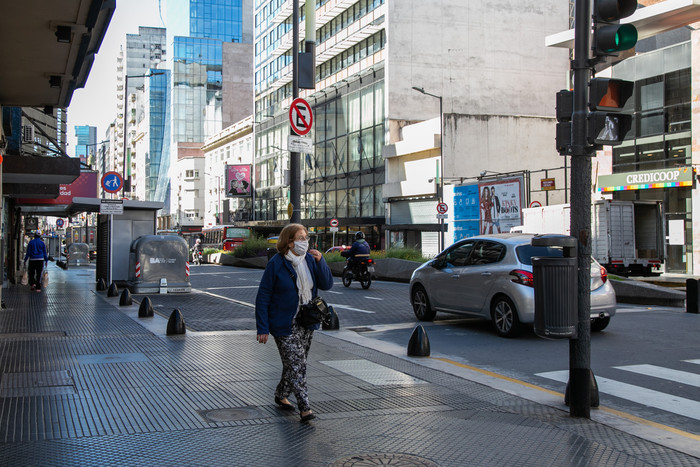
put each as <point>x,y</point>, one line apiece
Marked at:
<point>307,417</point>
<point>283,405</point>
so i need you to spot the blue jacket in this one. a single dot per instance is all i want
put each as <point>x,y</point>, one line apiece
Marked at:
<point>36,250</point>
<point>360,247</point>
<point>278,298</point>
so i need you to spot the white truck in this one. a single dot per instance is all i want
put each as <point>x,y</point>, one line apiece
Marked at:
<point>627,236</point>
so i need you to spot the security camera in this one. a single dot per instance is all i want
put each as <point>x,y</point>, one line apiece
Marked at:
<point>483,172</point>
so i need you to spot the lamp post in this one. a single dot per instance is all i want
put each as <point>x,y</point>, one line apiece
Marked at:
<point>441,185</point>
<point>127,179</point>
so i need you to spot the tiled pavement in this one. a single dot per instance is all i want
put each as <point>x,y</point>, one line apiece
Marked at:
<point>84,381</point>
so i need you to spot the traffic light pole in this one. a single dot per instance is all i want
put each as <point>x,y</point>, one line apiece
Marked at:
<point>580,348</point>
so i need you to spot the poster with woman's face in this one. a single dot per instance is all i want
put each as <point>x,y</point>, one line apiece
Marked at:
<point>238,180</point>
<point>500,206</point>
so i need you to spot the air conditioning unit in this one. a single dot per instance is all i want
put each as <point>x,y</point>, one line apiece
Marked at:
<point>27,134</point>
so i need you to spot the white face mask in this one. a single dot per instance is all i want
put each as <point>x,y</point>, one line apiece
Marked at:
<point>300,247</point>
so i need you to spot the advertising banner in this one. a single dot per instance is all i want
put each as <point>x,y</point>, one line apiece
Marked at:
<point>238,180</point>
<point>85,186</point>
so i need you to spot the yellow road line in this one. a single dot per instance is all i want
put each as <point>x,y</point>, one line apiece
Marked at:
<point>555,393</point>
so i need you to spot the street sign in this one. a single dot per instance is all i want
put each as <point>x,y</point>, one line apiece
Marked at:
<point>535,204</point>
<point>334,223</point>
<point>441,216</point>
<point>59,223</point>
<point>111,206</point>
<point>442,209</point>
<point>112,182</point>
<point>300,144</point>
<point>300,116</point>
<point>334,229</point>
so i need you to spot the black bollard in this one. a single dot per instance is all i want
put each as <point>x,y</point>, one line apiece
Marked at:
<point>176,323</point>
<point>595,396</point>
<point>418,344</point>
<point>333,323</point>
<point>146,308</point>
<point>691,296</point>
<point>101,285</point>
<point>113,291</point>
<point>125,299</point>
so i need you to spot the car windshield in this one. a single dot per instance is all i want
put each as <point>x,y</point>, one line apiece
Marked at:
<point>527,252</point>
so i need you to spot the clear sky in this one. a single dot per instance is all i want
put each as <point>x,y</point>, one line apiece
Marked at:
<point>96,103</point>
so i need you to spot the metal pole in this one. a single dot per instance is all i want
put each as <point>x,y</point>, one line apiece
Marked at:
<point>580,348</point>
<point>127,182</point>
<point>442,177</point>
<point>294,168</point>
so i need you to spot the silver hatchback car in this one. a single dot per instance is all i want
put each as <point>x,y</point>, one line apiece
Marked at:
<point>490,276</point>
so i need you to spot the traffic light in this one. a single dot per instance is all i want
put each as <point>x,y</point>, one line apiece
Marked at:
<point>565,109</point>
<point>610,37</point>
<point>608,124</point>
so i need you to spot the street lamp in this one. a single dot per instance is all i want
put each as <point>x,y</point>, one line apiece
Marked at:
<point>127,180</point>
<point>442,165</point>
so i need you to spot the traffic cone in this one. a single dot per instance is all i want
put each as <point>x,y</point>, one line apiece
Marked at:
<point>418,344</point>
<point>333,323</point>
<point>176,323</point>
<point>113,291</point>
<point>146,308</point>
<point>125,299</point>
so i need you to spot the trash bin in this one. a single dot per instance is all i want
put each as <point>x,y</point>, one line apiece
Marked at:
<point>692,293</point>
<point>78,254</point>
<point>556,288</point>
<point>158,264</point>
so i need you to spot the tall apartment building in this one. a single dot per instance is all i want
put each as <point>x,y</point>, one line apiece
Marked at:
<point>142,54</point>
<point>484,61</point>
<point>86,142</point>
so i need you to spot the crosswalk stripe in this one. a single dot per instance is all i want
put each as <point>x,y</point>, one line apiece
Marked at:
<point>682,377</point>
<point>669,403</point>
<point>697,362</point>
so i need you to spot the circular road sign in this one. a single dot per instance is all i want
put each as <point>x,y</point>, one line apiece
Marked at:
<point>442,208</point>
<point>59,223</point>
<point>112,182</point>
<point>535,204</point>
<point>334,222</point>
<point>300,116</point>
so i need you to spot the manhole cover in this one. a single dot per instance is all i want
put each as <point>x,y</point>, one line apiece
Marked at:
<point>401,460</point>
<point>231,415</point>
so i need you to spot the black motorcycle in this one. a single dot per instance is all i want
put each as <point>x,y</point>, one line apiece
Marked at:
<point>361,271</point>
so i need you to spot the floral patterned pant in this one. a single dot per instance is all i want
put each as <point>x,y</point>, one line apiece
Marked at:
<point>294,350</point>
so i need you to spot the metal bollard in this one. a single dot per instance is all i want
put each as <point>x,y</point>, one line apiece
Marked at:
<point>692,293</point>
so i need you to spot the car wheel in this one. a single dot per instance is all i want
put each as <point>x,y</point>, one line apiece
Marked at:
<point>421,304</point>
<point>598,324</point>
<point>347,278</point>
<point>504,317</point>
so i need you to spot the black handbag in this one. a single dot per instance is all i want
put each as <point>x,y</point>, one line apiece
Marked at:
<point>314,312</point>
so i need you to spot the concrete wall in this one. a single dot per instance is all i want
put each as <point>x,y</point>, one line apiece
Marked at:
<point>237,86</point>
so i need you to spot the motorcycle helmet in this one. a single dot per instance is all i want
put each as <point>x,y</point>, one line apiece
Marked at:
<point>359,235</point>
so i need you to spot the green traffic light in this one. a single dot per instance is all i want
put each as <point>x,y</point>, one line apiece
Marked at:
<point>626,37</point>
<point>612,38</point>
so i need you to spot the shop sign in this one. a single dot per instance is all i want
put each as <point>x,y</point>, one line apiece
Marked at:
<point>663,178</point>
<point>548,184</point>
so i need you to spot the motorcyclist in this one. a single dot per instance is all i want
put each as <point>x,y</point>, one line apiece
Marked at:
<point>198,245</point>
<point>359,248</point>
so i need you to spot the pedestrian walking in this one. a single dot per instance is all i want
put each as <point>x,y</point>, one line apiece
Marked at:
<point>36,254</point>
<point>292,278</point>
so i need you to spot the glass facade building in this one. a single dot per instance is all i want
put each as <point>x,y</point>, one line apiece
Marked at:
<point>157,164</point>
<point>86,140</point>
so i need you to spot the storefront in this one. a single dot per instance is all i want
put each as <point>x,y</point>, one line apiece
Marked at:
<point>671,186</point>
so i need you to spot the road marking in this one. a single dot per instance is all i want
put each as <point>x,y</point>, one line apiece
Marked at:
<point>682,377</point>
<point>697,362</point>
<point>332,291</point>
<point>374,298</point>
<point>667,402</point>
<point>232,287</point>
<point>345,307</point>
<point>251,305</point>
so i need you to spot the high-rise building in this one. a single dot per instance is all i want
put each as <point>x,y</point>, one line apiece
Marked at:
<point>368,170</point>
<point>86,142</point>
<point>197,98</point>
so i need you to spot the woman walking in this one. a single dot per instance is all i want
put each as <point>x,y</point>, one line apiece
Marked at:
<point>292,278</point>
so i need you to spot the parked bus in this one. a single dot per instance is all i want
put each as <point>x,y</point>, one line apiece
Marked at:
<point>224,237</point>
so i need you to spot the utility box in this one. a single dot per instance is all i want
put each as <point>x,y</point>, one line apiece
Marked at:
<point>158,264</point>
<point>78,254</point>
<point>556,288</point>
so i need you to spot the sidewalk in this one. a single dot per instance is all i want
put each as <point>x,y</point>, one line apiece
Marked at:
<point>86,382</point>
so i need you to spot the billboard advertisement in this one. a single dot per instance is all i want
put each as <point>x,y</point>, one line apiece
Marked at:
<point>487,207</point>
<point>85,186</point>
<point>238,180</point>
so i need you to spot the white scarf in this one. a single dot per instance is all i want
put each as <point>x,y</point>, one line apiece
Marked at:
<point>304,282</point>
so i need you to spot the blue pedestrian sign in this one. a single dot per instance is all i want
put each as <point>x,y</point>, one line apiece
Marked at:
<point>59,223</point>
<point>112,182</point>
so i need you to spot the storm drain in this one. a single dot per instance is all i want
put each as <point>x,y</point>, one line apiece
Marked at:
<point>38,383</point>
<point>230,415</point>
<point>373,373</point>
<point>369,460</point>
